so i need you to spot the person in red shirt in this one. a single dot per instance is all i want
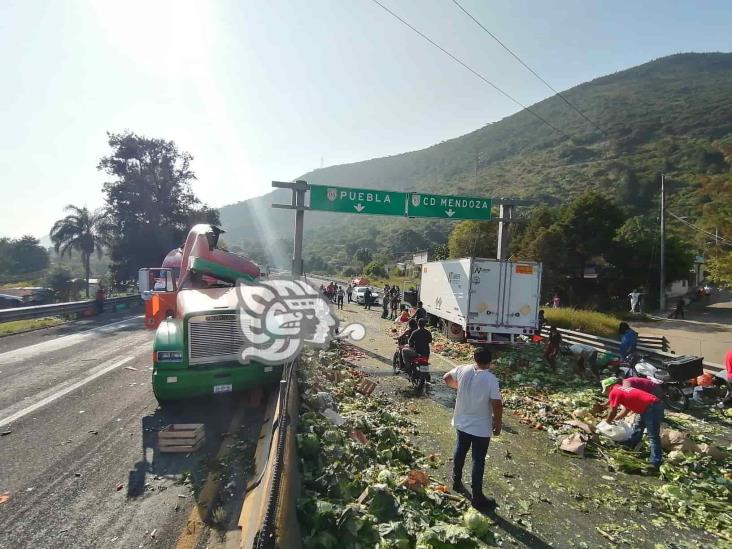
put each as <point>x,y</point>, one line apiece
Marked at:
<point>727,400</point>
<point>649,410</point>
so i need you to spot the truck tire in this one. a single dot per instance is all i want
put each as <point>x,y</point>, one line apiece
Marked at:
<point>165,404</point>
<point>455,332</point>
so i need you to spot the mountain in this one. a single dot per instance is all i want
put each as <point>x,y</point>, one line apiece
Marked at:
<point>669,115</point>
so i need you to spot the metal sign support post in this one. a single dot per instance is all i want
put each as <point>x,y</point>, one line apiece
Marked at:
<point>662,281</point>
<point>298,188</point>
<point>505,215</point>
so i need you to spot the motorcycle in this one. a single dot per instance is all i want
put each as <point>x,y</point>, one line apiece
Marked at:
<point>712,391</point>
<point>672,391</point>
<point>672,376</point>
<point>417,371</point>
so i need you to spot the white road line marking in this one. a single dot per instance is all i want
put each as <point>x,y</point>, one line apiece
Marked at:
<point>98,372</point>
<point>51,345</point>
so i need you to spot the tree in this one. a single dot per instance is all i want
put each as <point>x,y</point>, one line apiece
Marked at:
<point>440,252</point>
<point>589,224</point>
<point>363,256</point>
<point>720,269</point>
<point>406,240</point>
<point>28,255</point>
<point>635,258</point>
<point>59,280</point>
<point>375,269</point>
<point>315,263</point>
<point>81,231</point>
<point>7,265</point>
<point>149,200</point>
<point>548,247</point>
<point>473,239</point>
<point>22,256</point>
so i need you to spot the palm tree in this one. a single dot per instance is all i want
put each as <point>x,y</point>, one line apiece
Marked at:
<point>83,231</point>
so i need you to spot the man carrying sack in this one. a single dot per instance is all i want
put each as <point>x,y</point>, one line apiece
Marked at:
<point>650,416</point>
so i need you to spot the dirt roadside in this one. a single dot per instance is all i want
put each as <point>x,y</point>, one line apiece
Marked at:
<point>546,499</point>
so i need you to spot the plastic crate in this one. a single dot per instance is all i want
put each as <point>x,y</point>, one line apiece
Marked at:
<point>684,368</point>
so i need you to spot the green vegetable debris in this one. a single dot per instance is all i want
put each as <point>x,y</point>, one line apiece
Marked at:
<point>698,489</point>
<point>363,482</point>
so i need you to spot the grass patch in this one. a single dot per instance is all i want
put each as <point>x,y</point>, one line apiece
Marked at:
<point>403,282</point>
<point>590,322</point>
<point>17,326</point>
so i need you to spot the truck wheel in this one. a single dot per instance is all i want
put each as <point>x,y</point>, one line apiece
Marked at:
<point>455,332</point>
<point>165,404</point>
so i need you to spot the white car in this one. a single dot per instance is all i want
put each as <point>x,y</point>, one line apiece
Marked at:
<point>358,295</point>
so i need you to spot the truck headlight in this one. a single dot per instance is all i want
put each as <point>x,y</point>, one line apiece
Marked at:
<point>169,356</point>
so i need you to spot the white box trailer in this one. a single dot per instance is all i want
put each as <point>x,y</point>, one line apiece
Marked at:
<point>483,300</point>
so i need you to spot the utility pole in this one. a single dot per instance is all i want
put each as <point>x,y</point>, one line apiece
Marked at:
<point>662,281</point>
<point>505,215</point>
<point>298,188</point>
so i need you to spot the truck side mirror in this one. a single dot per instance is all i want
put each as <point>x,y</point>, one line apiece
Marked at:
<point>143,283</point>
<point>169,282</point>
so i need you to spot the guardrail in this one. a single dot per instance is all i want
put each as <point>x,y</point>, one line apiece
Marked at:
<point>268,517</point>
<point>58,309</point>
<point>654,347</point>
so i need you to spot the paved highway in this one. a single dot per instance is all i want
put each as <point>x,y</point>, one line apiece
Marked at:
<point>78,451</point>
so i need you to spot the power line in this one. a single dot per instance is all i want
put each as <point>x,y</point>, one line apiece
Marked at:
<point>717,238</point>
<point>532,71</point>
<point>475,72</point>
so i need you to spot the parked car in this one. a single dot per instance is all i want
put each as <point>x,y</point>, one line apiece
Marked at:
<point>10,301</point>
<point>360,281</point>
<point>358,295</point>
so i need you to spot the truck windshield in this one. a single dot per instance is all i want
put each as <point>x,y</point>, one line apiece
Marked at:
<point>199,281</point>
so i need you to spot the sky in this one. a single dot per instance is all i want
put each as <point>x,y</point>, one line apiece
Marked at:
<point>268,90</point>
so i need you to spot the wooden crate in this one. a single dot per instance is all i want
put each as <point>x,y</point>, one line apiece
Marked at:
<point>181,437</point>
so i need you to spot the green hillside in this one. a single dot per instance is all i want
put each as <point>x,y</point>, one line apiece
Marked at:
<point>673,114</point>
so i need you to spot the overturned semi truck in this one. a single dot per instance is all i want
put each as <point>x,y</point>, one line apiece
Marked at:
<point>192,304</point>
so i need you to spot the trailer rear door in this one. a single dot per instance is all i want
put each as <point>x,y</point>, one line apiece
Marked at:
<point>505,295</point>
<point>445,289</point>
<point>523,292</point>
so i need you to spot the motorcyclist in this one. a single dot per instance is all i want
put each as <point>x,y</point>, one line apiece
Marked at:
<point>419,342</point>
<point>403,339</point>
<point>420,313</point>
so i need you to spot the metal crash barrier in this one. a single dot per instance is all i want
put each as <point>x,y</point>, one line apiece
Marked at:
<point>654,347</point>
<point>268,517</point>
<point>60,309</point>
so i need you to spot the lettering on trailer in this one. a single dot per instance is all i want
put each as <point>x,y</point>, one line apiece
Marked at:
<point>358,201</point>
<point>451,207</point>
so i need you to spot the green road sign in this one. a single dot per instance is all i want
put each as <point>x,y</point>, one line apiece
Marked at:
<point>450,207</point>
<point>358,201</point>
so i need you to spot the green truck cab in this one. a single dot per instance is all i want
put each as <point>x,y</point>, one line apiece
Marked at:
<point>198,338</point>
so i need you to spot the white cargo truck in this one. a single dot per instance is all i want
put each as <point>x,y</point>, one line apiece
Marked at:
<point>483,300</point>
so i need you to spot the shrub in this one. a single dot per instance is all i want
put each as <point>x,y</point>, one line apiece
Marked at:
<point>590,322</point>
<point>375,269</point>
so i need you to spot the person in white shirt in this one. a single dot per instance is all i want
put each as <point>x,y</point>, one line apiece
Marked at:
<point>634,300</point>
<point>477,416</point>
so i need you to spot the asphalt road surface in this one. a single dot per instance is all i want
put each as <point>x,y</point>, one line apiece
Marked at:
<point>79,462</point>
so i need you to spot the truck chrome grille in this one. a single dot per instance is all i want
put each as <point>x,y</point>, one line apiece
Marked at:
<point>214,338</point>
